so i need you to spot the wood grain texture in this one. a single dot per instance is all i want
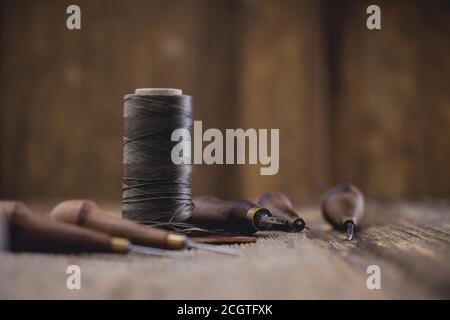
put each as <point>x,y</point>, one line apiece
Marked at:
<point>370,107</point>
<point>282,89</point>
<point>390,100</point>
<point>216,87</point>
<point>409,241</point>
<point>62,90</point>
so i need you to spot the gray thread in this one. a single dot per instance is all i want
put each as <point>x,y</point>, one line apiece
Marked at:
<point>155,190</point>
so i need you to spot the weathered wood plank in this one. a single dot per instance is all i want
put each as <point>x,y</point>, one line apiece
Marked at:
<point>61,95</point>
<point>369,107</point>
<point>390,98</point>
<point>410,243</point>
<point>281,87</point>
<point>270,269</point>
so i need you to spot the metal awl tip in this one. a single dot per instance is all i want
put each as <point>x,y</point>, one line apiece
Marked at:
<point>350,229</point>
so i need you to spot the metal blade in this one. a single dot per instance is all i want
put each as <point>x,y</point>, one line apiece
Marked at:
<point>350,230</point>
<point>156,252</point>
<point>217,249</point>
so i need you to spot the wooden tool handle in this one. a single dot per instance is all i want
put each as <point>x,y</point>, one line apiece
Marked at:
<point>343,203</point>
<point>278,203</point>
<point>281,206</point>
<point>33,232</point>
<point>236,216</point>
<point>87,213</point>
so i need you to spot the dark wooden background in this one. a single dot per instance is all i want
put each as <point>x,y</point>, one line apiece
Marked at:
<point>372,107</point>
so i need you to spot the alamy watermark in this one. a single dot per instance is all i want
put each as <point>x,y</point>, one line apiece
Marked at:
<point>73,281</point>
<point>231,151</point>
<point>373,22</point>
<point>73,21</point>
<point>374,280</point>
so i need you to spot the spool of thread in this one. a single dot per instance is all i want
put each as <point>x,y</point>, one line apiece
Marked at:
<point>154,189</point>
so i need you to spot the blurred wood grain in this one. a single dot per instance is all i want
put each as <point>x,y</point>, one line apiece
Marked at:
<point>370,107</point>
<point>282,88</point>
<point>392,100</point>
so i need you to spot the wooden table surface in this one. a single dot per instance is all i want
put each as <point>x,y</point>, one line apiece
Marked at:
<point>408,241</point>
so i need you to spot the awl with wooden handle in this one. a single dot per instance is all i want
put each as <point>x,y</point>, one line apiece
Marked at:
<point>281,206</point>
<point>86,213</point>
<point>32,232</point>
<point>343,207</point>
<point>241,216</point>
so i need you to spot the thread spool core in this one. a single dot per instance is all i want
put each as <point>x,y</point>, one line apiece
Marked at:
<point>158,92</point>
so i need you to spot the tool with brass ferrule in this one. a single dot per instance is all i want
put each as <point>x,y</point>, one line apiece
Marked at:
<point>281,206</point>
<point>241,216</point>
<point>343,207</point>
<point>86,213</point>
<point>32,232</point>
